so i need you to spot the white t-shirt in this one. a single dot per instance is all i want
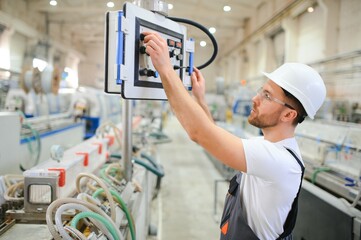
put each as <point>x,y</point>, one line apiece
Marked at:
<point>270,184</point>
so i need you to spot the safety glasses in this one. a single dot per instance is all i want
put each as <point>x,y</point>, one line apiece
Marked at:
<point>265,95</point>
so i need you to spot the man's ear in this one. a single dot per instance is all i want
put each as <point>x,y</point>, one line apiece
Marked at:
<point>289,115</point>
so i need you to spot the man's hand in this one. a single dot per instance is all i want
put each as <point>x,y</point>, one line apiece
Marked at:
<point>157,48</point>
<point>199,91</point>
<point>198,85</point>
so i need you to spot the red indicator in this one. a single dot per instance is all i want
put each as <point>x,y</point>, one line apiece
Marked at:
<point>171,43</point>
<point>178,45</point>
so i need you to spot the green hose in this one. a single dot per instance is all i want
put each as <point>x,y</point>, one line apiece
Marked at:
<point>150,159</point>
<point>317,171</point>
<point>119,156</point>
<point>156,171</point>
<point>103,176</point>
<point>123,206</point>
<point>75,220</point>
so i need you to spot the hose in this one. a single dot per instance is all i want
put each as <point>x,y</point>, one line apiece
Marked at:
<point>99,218</point>
<point>154,168</point>
<point>354,203</point>
<point>9,194</point>
<point>56,203</point>
<point>101,184</point>
<point>150,159</point>
<point>10,178</point>
<point>65,207</point>
<point>75,232</point>
<point>116,130</point>
<point>317,171</point>
<point>156,171</point>
<point>206,31</point>
<point>106,175</point>
<point>123,207</point>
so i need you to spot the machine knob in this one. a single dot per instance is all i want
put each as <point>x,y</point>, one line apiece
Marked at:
<point>179,57</point>
<point>148,73</point>
<point>143,72</point>
<point>142,50</point>
<point>141,37</point>
<point>152,73</point>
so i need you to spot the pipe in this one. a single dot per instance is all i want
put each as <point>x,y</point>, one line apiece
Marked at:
<point>127,139</point>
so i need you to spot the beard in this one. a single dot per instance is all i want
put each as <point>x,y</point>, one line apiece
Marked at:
<point>262,121</point>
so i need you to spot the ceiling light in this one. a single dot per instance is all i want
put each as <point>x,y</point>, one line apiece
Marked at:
<point>170,6</point>
<point>53,2</point>
<point>110,4</point>
<point>212,30</point>
<point>202,43</point>
<point>227,8</point>
<point>310,9</point>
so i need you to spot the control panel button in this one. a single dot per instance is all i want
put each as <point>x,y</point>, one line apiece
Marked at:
<point>171,43</point>
<point>178,45</point>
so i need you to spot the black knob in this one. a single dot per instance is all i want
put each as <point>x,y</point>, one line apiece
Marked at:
<point>142,50</point>
<point>152,73</point>
<point>141,37</point>
<point>143,72</point>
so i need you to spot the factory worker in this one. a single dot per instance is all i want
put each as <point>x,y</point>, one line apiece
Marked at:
<point>262,198</point>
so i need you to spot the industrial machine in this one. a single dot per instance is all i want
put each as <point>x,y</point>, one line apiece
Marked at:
<point>100,188</point>
<point>83,178</point>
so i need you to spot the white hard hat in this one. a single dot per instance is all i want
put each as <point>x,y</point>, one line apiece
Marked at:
<point>303,82</point>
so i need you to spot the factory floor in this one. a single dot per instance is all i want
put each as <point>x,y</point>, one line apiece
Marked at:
<point>185,208</point>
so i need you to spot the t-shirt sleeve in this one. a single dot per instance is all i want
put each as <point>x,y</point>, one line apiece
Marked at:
<point>265,159</point>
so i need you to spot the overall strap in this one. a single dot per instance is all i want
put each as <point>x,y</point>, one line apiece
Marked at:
<point>292,215</point>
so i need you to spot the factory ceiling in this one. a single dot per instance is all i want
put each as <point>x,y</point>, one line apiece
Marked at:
<point>85,18</point>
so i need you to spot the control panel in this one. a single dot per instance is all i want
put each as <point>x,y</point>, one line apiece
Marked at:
<point>129,69</point>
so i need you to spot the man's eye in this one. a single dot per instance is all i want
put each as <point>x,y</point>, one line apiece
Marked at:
<point>268,97</point>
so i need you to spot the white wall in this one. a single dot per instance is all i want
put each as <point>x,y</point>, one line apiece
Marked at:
<point>310,43</point>
<point>17,50</point>
<point>91,71</point>
<point>328,39</point>
<point>350,25</point>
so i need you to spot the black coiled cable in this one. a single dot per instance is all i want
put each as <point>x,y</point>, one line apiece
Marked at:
<point>206,31</point>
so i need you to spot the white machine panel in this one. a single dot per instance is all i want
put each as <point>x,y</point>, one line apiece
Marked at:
<point>133,74</point>
<point>111,85</point>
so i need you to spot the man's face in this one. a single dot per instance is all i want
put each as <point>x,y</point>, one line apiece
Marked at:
<point>266,113</point>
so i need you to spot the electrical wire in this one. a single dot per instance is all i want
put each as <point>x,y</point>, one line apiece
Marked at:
<point>123,207</point>
<point>58,202</point>
<point>101,184</point>
<point>99,218</point>
<point>206,31</point>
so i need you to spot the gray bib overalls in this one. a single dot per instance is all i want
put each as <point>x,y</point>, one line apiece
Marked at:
<point>234,225</point>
